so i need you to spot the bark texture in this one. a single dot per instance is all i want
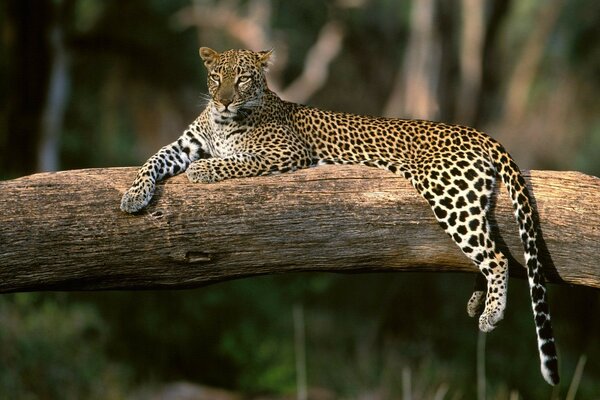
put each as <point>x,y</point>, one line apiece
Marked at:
<point>64,230</point>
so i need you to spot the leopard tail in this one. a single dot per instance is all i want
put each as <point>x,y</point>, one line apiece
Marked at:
<point>512,178</point>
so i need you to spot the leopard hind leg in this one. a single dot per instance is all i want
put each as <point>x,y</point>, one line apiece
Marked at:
<point>460,197</point>
<point>492,282</point>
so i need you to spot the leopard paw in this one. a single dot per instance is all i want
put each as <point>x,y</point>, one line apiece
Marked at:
<point>489,319</point>
<point>475,303</point>
<point>136,198</point>
<point>201,172</point>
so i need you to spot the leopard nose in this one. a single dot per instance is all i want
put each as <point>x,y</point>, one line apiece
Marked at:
<point>225,95</point>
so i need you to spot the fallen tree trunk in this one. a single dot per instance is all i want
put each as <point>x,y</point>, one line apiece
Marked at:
<point>64,231</point>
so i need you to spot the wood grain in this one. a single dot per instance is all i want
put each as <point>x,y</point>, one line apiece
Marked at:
<point>64,230</point>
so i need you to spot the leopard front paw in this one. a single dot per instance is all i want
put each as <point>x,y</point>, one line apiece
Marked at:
<point>136,198</point>
<point>201,172</point>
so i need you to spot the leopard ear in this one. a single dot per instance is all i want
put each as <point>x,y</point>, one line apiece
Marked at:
<point>208,55</point>
<point>265,58</point>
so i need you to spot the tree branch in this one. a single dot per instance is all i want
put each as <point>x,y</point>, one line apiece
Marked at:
<point>64,231</point>
<point>316,67</point>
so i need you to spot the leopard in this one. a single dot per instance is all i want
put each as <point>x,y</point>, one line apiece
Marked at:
<point>247,130</point>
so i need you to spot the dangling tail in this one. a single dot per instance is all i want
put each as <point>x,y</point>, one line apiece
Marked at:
<point>513,180</point>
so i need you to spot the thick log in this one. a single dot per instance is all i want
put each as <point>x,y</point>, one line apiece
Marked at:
<point>64,230</point>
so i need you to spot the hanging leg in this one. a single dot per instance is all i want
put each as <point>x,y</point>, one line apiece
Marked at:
<point>477,299</point>
<point>460,196</point>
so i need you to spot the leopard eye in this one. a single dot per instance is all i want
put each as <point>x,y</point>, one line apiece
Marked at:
<point>216,78</point>
<point>243,79</point>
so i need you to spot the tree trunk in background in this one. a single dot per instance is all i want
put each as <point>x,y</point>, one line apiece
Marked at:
<point>470,56</point>
<point>414,93</point>
<point>529,61</point>
<point>56,102</point>
<point>491,73</point>
<point>28,81</point>
<point>516,108</point>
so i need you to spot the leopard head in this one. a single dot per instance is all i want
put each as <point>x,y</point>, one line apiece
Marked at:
<point>236,81</point>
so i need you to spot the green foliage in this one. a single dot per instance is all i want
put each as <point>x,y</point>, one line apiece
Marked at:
<point>234,335</point>
<point>265,360</point>
<point>52,349</point>
<point>363,334</point>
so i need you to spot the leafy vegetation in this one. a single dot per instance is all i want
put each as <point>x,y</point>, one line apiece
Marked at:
<point>52,348</point>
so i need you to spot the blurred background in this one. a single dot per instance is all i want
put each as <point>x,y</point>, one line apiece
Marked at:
<point>101,83</point>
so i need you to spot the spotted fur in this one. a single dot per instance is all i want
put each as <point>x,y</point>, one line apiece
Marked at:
<point>247,130</point>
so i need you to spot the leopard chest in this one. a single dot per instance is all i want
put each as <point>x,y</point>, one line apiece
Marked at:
<point>227,140</point>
